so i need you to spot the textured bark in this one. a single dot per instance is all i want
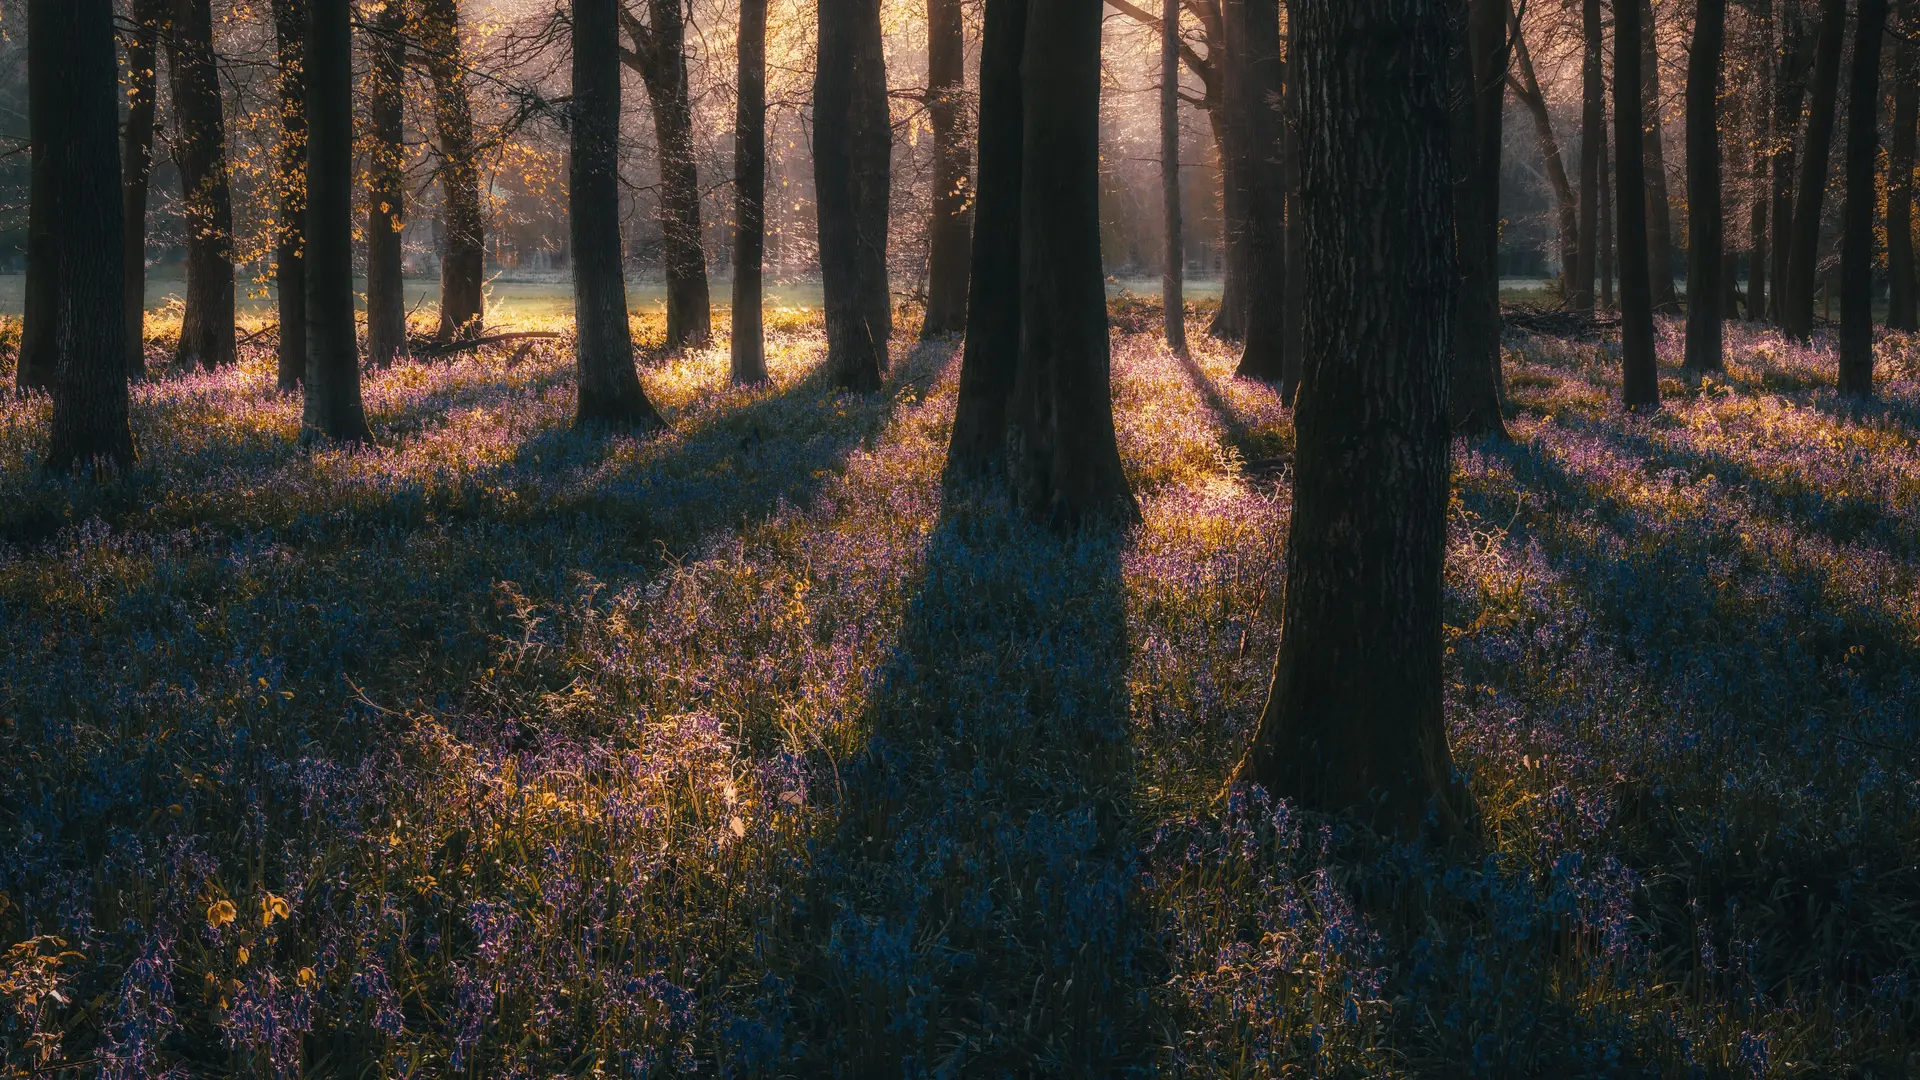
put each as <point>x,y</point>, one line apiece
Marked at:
<point>852,144</point>
<point>1063,456</point>
<point>1294,301</point>
<point>1254,99</point>
<point>1230,319</point>
<point>992,343</point>
<point>1794,63</point>
<point>659,54</point>
<point>750,195</point>
<point>951,228</point>
<point>39,347</point>
<point>1606,260</point>
<point>1706,230</point>
<point>290,175</point>
<point>1354,719</point>
<point>610,394</point>
<point>1526,87</point>
<point>200,149</point>
<point>1593,139</point>
<point>1640,379</point>
<point>1804,252</point>
<point>1901,306</point>
<point>386,185</point>
<point>1173,304</point>
<point>90,430</point>
<point>1659,206</point>
<point>1856,238</point>
<point>136,171</point>
<point>333,408</point>
<point>463,262</point>
<point>1762,120</point>
<point>1478,57</point>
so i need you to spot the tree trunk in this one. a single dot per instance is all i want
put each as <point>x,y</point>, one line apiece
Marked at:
<point>1856,242</point>
<point>136,163</point>
<point>333,408</point>
<point>1659,207</point>
<point>1173,304</point>
<point>1640,377</point>
<point>610,393</point>
<point>1527,88</point>
<point>39,344</point>
<point>659,55</point>
<point>949,233</point>
<point>1354,719</point>
<point>1706,237</point>
<point>1257,73</point>
<point>1757,263</point>
<point>463,263</point>
<point>290,175</point>
<point>1294,301</point>
<point>386,186</point>
<point>1593,140</point>
<point>992,343</point>
<point>1063,457</point>
<point>1479,64</point>
<point>1606,261</point>
<point>1901,306</point>
<point>200,148</point>
<point>1805,251</point>
<point>1230,319</point>
<point>852,140</point>
<point>1794,62</point>
<point>90,429</point>
<point>750,195</point>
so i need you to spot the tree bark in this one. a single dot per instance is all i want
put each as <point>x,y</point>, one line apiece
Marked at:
<point>463,262</point>
<point>1294,301</point>
<point>1706,239</point>
<point>659,54</point>
<point>1063,456</point>
<point>610,394</point>
<point>1640,378</point>
<point>90,429</point>
<point>852,140</point>
<point>333,407</point>
<point>1255,81</point>
<point>1479,59</point>
<point>1804,253</point>
<point>1856,243</point>
<point>136,164</point>
<point>290,175</point>
<point>949,233</point>
<point>1344,728</point>
<point>1901,305</point>
<point>1173,304</point>
<point>1593,139</point>
<point>1526,87</point>
<point>200,148</point>
<point>1659,206</point>
<point>1763,65</point>
<point>386,186</point>
<point>1794,62</point>
<point>992,344</point>
<point>1606,260</point>
<point>39,344</point>
<point>748,343</point>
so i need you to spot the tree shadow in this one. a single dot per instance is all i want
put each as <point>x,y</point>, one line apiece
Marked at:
<point>1254,450</point>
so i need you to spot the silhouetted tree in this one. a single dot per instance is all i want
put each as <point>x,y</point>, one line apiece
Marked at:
<point>463,258</point>
<point>1797,321</point>
<point>386,185</point>
<point>290,175</point>
<point>200,150</point>
<point>1252,97</point>
<point>1706,231</point>
<point>750,195</point>
<point>1659,206</point>
<point>1479,61</point>
<point>136,169</point>
<point>659,54</point>
<point>852,145</point>
<point>1172,302</point>
<point>1856,237</point>
<point>333,407</point>
<point>1526,87</point>
<point>1640,376</point>
<point>1901,301</point>
<point>948,234</point>
<point>1794,63</point>
<point>1593,137</point>
<point>39,347</point>
<point>1763,138</point>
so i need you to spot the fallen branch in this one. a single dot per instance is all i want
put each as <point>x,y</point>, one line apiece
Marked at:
<point>1558,322</point>
<point>434,352</point>
<point>256,335</point>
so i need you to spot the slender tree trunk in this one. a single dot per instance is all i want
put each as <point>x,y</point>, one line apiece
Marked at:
<point>1259,73</point>
<point>948,236</point>
<point>1606,260</point>
<point>1343,729</point>
<point>386,186</point>
<point>1640,378</point>
<point>1230,319</point>
<point>1706,238</point>
<point>992,343</point>
<point>1764,134</point>
<point>1803,257</point>
<point>1173,267</point>
<point>1593,139</point>
<point>463,263</point>
<point>749,195</point>
<point>333,408</point>
<point>200,147</point>
<point>1527,88</point>
<point>1901,306</point>
<point>1480,67</point>
<point>1294,302</point>
<point>39,345</point>
<point>610,393</point>
<point>1790,86</point>
<point>659,55</point>
<point>90,429</point>
<point>1659,206</point>
<point>136,163</point>
<point>1856,243</point>
<point>1063,456</point>
<point>290,180</point>
<point>852,140</point>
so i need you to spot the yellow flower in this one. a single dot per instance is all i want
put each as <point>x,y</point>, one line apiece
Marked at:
<point>271,908</point>
<point>306,976</point>
<point>220,913</point>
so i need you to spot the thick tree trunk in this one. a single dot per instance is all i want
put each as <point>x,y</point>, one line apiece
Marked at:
<point>90,429</point>
<point>386,186</point>
<point>1173,304</point>
<point>952,225</point>
<point>659,55</point>
<point>1794,62</point>
<point>1606,261</point>
<point>463,262</point>
<point>610,394</point>
<point>1593,139</point>
<point>992,343</point>
<point>852,139</point>
<point>1526,86</point>
<point>1063,456</point>
<point>1354,719</point>
<point>1640,377</point>
<point>200,148</point>
<point>136,171</point>
<point>1901,305</point>
<point>1230,319</point>
<point>290,176</point>
<point>1479,62</point>
<point>333,408</point>
<point>1258,77</point>
<point>39,345</point>
<point>1706,237</point>
<point>1659,206</point>
<point>1856,238</point>
<point>1804,253</point>
<point>750,195</point>
<point>1762,118</point>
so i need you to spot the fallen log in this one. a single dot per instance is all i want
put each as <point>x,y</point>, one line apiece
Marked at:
<point>434,352</point>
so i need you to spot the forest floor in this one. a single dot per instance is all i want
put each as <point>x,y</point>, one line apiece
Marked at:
<point>753,748</point>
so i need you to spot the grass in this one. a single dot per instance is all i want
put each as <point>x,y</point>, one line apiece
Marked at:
<point>755,749</point>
